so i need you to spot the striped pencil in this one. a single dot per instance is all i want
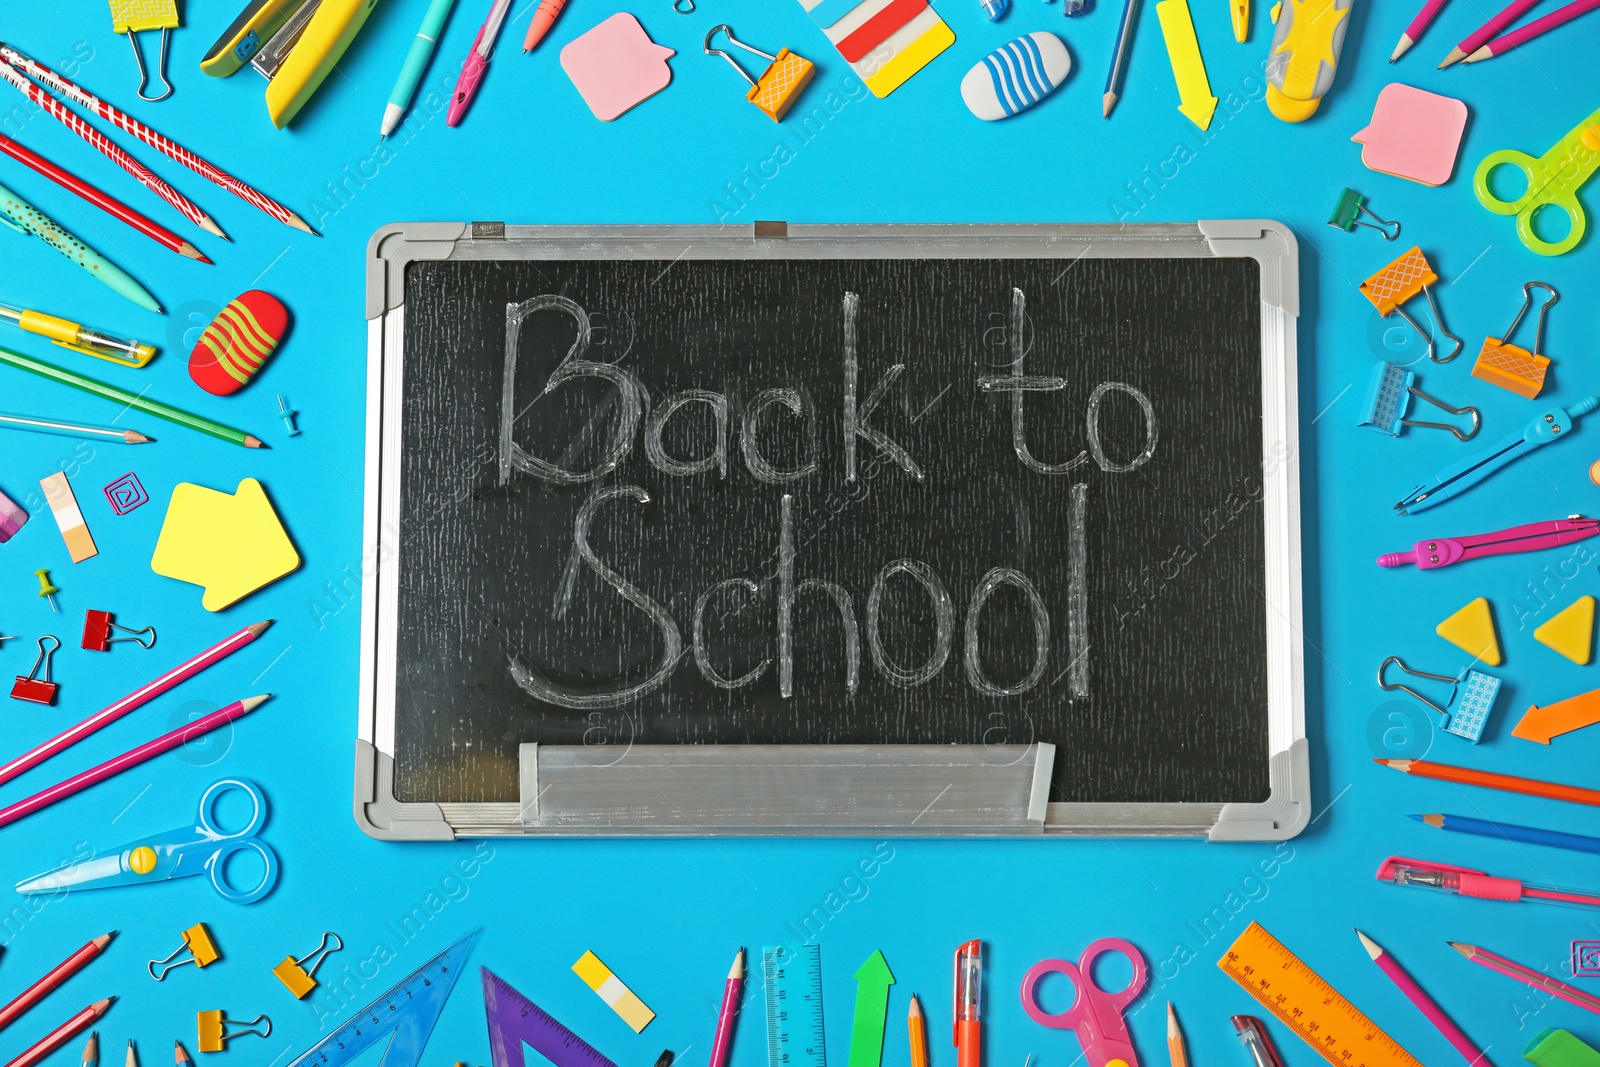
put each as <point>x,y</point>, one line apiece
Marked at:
<point>166,146</point>
<point>109,148</point>
<point>109,204</point>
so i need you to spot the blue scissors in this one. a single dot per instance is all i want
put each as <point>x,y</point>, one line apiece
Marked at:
<point>201,848</point>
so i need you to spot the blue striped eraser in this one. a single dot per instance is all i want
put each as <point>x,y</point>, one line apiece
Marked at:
<point>1016,75</point>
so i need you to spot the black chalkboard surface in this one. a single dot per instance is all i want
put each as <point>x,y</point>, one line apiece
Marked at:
<point>991,501</point>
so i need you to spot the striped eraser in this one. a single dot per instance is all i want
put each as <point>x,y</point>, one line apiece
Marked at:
<point>1016,76</point>
<point>598,977</point>
<point>238,341</point>
<point>64,507</point>
<point>11,518</point>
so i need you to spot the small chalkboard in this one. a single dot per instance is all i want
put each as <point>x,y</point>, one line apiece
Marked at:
<point>832,529</point>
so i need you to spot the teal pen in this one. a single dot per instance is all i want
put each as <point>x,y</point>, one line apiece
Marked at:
<point>25,218</point>
<point>405,87</point>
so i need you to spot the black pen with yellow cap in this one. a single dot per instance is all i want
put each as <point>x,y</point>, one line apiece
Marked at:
<point>80,339</point>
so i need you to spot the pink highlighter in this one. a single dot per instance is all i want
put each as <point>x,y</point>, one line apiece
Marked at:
<point>1469,883</point>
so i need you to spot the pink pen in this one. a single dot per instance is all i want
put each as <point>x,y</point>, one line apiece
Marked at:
<point>477,62</point>
<point>1443,551</point>
<point>1471,883</point>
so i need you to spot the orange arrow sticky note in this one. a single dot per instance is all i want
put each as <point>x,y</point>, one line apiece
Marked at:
<point>1563,717</point>
<point>231,543</point>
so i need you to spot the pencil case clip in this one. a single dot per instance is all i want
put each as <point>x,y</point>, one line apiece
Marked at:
<point>97,627</point>
<point>1401,280</point>
<point>197,942</point>
<point>1513,367</point>
<point>32,688</point>
<point>1389,400</point>
<point>1472,696</point>
<point>213,1034</point>
<point>296,974</point>
<point>779,84</point>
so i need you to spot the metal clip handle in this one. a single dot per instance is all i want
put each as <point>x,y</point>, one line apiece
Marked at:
<point>1415,674</point>
<point>1544,309</point>
<point>44,657</point>
<point>1470,411</point>
<point>144,75</point>
<point>725,28</point>
<point>313,959</point>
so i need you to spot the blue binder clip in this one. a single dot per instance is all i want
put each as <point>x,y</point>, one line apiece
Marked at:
<point>1472,695</point>
<point>1389,401</point>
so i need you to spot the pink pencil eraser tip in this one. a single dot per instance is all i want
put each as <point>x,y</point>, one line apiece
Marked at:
<point>11,518</point>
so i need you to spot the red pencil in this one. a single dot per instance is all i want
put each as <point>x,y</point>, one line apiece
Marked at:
<point>58,974</point>
<point>62,1034</point>
<point>1521,36</point>
<point>110,205</point>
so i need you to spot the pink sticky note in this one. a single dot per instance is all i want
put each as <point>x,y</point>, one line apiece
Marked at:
<point>616,65</point>
<point>1414,134</point>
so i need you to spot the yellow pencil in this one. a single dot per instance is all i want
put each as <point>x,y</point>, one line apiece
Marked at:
<point>1175,1039</point>
<point>919,1037</point>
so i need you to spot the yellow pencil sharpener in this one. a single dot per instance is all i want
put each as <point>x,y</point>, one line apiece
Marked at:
<point>779,85</point>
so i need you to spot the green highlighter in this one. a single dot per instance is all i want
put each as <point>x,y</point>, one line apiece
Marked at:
<point>1558,1048</point>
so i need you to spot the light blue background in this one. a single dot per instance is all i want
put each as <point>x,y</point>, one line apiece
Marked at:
<point>668,915</point>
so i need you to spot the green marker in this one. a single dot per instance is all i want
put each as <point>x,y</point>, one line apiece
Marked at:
<point>27,219</point>
<point>405,87</point>
<point>873,980</point>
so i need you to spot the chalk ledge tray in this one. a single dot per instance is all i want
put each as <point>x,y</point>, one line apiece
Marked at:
<point>903,790</point>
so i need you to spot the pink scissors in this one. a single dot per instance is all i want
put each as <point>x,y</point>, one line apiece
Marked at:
<point>1096,1015</point>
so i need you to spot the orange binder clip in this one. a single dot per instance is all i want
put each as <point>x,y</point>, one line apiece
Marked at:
<point>1509,366</point>
<point>1401,280</point>
<point>779,84</point>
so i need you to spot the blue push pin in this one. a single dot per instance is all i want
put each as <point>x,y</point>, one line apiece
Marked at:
<point>995,9</point>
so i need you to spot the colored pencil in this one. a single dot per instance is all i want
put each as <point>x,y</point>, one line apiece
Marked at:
<point>53,978</point>
<point>543,19</point>
<point>917,1031</point>
<point>132,758</point>
<point>109,204</point>
<point>1175,1049</point>
<point>180,1055</point>
<point>67,429</point>
<point>134,700</point>
<point>132,1059</point>
<point>1506,831</point>
<point>1425,1004</point>
<point>1538,27</point>
<point>130,399</point>
<point>732,994</point>
<point>1510,783</point>
<point>1414,31</point>
<point>91,1050</point>
<point>1528,976</point>
<point>62,1034</point>
<point>30,220</point>
<point>110,149</point>
<point>1119,59</point>
<point>166,146</point>
<point>1488,31</point>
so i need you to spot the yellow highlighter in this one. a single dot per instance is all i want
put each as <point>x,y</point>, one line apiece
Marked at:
<point>80,339</point>
<point>319,47</point>
<point>1304,55</point>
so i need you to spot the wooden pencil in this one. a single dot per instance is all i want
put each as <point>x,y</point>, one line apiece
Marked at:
<point>1510,783</point>
<point>42,1048</point>
<point>918,1033</point>
<point>1538,27</point>
<point>1175,1049</point>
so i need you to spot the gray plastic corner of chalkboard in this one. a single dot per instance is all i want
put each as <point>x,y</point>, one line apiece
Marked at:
<point>1270,243</point>
<point>383,817</point>
<point>1284,813</point>
<point>394,246</point>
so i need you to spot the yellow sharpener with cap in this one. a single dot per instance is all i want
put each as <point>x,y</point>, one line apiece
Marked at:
<point>196,940</point>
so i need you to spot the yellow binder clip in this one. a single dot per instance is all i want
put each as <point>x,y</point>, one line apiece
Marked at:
<point>296,974</point>
<point>214,1035</point>
<point>197,942</point>
<point>779,84</point>
<point>134,17</point>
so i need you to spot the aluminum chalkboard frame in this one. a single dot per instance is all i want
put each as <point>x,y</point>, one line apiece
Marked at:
<point>823,789</point>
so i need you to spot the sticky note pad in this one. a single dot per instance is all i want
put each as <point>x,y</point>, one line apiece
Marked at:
<point>1414,135</point>
<point>64,508</point>
<point>1562,717</point>
<point>598,977</point>
<point>231,543</point>
<point>884,41</point>
<point>616,65</point>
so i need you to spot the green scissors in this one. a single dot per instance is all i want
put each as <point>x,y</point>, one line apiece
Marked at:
<point>1553,181</point>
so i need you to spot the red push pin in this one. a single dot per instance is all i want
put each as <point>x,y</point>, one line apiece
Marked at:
<point>38,690</point>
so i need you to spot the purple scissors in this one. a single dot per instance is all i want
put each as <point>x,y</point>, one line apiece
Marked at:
<point>1096,1016</point>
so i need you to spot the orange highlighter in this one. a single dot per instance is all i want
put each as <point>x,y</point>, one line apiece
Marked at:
<point>969,1004</point>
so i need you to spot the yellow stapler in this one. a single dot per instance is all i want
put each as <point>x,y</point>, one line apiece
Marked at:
<point>245,35</point>
<point>293,43</point>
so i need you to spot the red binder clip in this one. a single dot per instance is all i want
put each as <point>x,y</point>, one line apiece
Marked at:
<point>97,627</point>
<point>38,690</point>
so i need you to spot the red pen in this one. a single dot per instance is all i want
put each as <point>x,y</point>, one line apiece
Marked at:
<point>969,1004</point>
<point>732,995</point>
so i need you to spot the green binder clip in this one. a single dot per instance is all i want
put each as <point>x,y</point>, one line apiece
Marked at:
<point>1347,216</point>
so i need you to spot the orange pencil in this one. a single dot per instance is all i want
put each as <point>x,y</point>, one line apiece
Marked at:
<point>918,1033</point>
<point>1180,1058</point>
<point>1510,783</point>
<point>62,1034</point>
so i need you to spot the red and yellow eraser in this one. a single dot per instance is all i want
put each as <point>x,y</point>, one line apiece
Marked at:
<point>238,341</point>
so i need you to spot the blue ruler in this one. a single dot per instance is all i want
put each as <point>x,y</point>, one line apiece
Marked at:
<point>513,1019</point>
<point>792,979</point>
<point>409,1010</point>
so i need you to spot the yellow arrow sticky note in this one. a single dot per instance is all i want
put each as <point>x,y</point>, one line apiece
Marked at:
<point>1183,49</point>
<point>231,543</point>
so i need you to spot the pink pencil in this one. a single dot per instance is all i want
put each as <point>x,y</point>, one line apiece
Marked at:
<point>1518,37</point>
<point>136,699</point>
<point>1415,993</point>
<point>1489,30</point>
<point>1527,976</point>
<point>1414,31</point>
<point>732,995</point>
<point>132,758</point>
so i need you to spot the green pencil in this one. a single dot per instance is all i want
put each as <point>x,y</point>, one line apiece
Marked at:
<point>132,400</point>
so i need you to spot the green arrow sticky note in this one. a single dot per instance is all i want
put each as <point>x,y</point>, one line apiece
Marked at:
<point>872,1011</point>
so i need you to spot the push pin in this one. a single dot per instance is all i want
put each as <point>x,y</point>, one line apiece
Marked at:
<point>288,417</point>
<point>296,974</point>
<point>213,1033</point>
<point>1347,216</point>
<point>38,690</point>
<point>779,84</point>
<point>47,590</point>
<point>97,629</point>
<point>196,940</point>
